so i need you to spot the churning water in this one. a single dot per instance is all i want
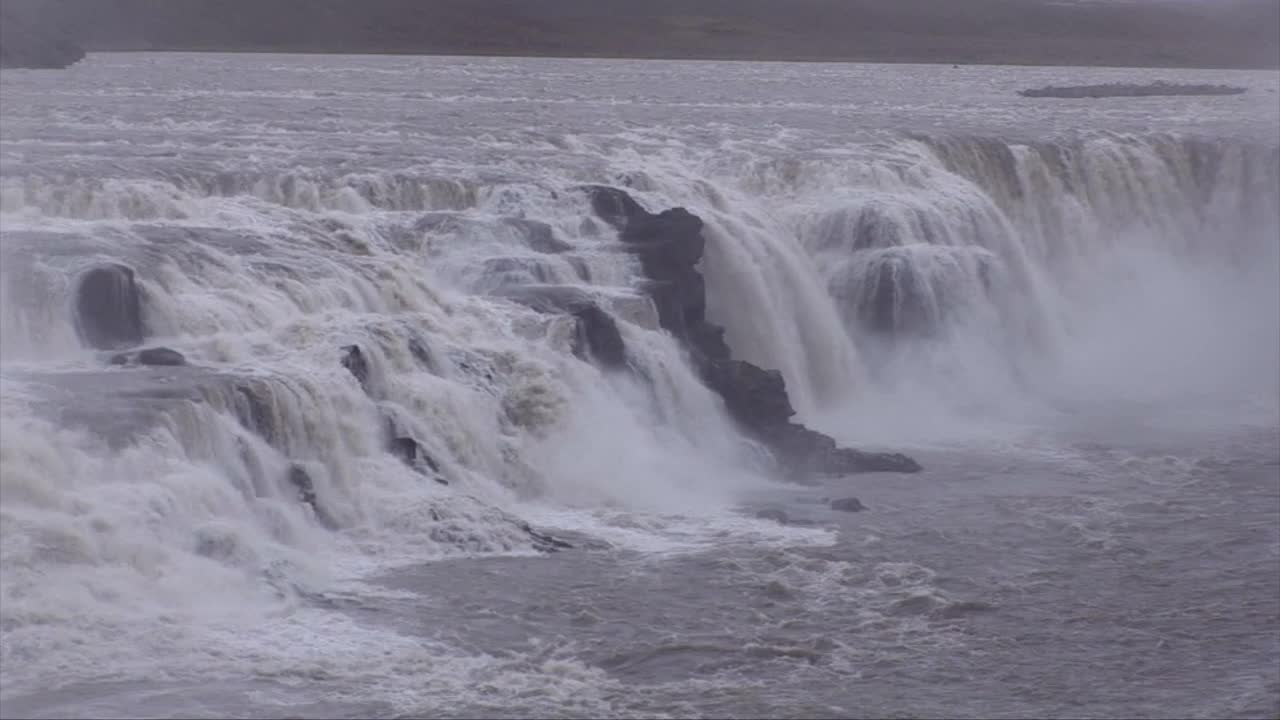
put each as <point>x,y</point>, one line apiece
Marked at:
<point>1067,310</point>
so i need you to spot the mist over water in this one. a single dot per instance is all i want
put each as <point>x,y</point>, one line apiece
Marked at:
<point>1069,312</point>
<point>1110,276</point>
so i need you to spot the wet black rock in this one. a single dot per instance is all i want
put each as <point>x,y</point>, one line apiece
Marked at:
<point>544,542</point>
<point>773,514</point>
<point>895,298</point>
<point>419,350</point>
<point>539,236</point>
<point>598,337</point>
<point>849,504</point>
<point>670,239</point>
<point>808,452</point>
<point>161,356</point>
<point>411,452</point>
<point>755,396</point>
<point>300,479</point>
<point>710,342</point>
<point>354,360</point>
<point>109,308</point>
<point>405,448</point>
<point>614,206</point>
<point>156,356</point>
<point>500,273</point>
<point>580,267</point>
<point>253,403</point>
<point>847,460</point>
<point>549,298</point>
<point>670,245</point>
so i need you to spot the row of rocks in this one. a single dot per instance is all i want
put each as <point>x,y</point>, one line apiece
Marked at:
<point>109,315</point>
<point>669,246</point>
<point>156,356</point>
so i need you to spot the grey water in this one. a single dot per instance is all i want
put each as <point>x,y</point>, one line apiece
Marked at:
<point>1082,350</point>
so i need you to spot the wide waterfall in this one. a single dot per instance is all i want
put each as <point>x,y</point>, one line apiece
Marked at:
<point>399,339</point>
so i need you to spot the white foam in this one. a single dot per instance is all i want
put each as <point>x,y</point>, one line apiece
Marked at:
<point>1126,272</point>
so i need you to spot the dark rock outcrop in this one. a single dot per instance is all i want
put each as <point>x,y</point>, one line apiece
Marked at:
<point>756,397</point>
<point>108,306</point>
<point>156,356</point>
<point>254,404</point>
<point>412,454</point>
<point>161,356</point>
<point>813,453</point>
<point>596,336</point>
<point>508,271</point>
<point>849,504</point>
<point>353,359</point>
<point>419,350</point>
<point>543,542</point>
<point>300,479</point>
<point>403,446</point>
<point>548,298</point>
<point>539,236</point>
<point>894,299</point>
<point>778,516</point>
<point>409,451</point>
<point>669,246</point>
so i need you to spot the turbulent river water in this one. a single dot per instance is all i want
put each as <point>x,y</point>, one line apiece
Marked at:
<point>1067,310</point>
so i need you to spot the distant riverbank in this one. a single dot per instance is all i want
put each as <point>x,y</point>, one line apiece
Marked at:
<point>1130,90</point>
<point>1124,33</point>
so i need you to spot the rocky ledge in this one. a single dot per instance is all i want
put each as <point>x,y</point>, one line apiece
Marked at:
<point>1130,90</point>
<point>669,246</point>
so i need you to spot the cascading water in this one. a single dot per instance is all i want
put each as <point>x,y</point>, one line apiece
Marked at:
<point>388,361</point>
<point>1100,264</point>
<point>199,475</point>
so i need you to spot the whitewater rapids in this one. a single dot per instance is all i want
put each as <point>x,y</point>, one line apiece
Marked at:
<point>1068,310</point>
